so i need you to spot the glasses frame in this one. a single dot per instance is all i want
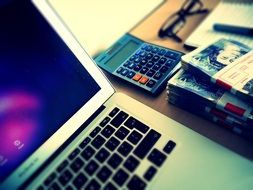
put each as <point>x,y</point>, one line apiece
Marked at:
<point>167,29</point>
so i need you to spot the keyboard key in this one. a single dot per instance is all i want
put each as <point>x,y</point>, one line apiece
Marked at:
<point>110,186</point>
<point>112,143</point>
<point>151,83</point>
<point>157,157</point>
<point>155,49</point>
<point>93,185</point>
<point>104,173</point>
<point>149,174</point>
<point>169,147</point>
<point>149,56</point>
<point>77,165</point>
<point>134,137</point>
<point>119,119</point>
<point>143,53</point>
<point>125,148</point>
<point>50,179</point>
<point>149,48</point>
<point>108,131</point>
<point>54,186</point>
<point>134,123</point>
<point>74,153</point>
<point>102,155</point>
<point>105,121</point>
<point>131,163</point>
<point>95,132</point>
<point>133,57</point>
<point>137,60</point>
<point>98,141</point>
<point>158,75</point>
<point>122,132</point>
<point>136,183</point>
<point>126,63</point>
<point>115,160</point>
<point>91,167</point>
<point>147,143</point>
<point>114,112</point>
<point>69,188</point>
<point>62,166</point>
<point>65,177</point>
<point>137,77</point>
<point>85,142</point>
<point>80,180</point>
<point>144,80</point>
<point>88,152</point>
<point>120,177</point>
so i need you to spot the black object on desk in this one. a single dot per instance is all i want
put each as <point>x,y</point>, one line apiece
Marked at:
<point>145,65</point>
<point>233,29</point>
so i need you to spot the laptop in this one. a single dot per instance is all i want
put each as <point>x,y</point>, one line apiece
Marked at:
<point>63,126</point>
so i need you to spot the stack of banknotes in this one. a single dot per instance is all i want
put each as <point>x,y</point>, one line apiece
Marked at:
<point>216,82</point>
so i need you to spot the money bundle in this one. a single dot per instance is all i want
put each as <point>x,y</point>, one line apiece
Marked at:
<point>193,93</point>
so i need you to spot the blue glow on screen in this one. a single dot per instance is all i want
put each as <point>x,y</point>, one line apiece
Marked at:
<point>42,84</point>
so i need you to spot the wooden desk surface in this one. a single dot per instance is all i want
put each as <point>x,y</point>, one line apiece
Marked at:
<point>147,30</point>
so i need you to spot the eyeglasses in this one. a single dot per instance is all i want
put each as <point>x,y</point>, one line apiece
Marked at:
<point>175,22</point>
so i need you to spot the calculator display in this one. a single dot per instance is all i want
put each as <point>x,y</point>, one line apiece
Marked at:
<point>122,54</point>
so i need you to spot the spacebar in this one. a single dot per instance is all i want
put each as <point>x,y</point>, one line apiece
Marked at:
<point>146,144</point>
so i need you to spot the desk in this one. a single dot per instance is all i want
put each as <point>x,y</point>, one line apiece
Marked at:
<point>147,30</point>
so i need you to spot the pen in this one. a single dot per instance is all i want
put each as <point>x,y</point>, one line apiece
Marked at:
<point>233,29</point>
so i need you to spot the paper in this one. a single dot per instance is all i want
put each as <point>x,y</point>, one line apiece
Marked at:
<point>97,24</point>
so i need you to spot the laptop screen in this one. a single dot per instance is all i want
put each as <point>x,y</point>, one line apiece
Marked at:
<point>41,84</point>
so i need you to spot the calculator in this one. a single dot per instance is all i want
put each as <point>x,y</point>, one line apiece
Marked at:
<point>143,64</point>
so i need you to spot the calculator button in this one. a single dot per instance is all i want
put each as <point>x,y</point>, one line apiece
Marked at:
<point>137,77</point>
<point>164,69</point>
<point>150,64</point>
<point>156,67</point>
<point>126,64</point>
<point>170,62</point>
<point>133,57</point>
<point>162,60</point>
<point>151,83</point>
<point>130,74</point>
<point>137,67</point>
<point>149,48</point>
<point>143,61</point>
<point>155,58</point>
<point>155,50</point>
<point>143,53</point>
<point>137,60</point>
<point>162,52</point>
<point>150,73</point>
<point>149,55</point>
<point>120,70</point>
<point>124,72</point>
<point>144,70</point>
<point>143,80</point>
<point>172,55</point>
<point>144,46</point>
<point>131,65</point>
<point>158,75</point>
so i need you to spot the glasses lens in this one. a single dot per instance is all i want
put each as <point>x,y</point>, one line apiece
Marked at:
<point>171,26</point>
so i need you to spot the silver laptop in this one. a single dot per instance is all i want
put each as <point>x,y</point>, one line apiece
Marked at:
<point>63,126</point>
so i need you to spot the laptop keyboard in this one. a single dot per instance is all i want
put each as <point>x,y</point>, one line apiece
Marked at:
<point>108,158</point>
